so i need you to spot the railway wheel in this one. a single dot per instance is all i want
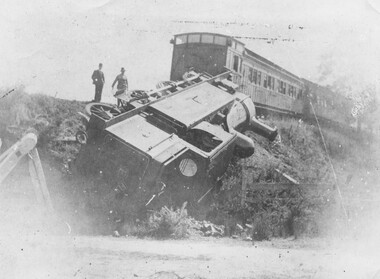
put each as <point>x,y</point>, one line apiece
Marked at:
<point>81,137</point>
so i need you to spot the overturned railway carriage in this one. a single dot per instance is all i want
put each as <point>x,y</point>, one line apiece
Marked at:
<point>271,87</point>
<point>181,136</point>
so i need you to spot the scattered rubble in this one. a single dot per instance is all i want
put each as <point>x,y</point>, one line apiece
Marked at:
<point>206,228</point>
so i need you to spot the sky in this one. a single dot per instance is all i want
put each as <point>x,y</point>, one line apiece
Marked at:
<point>52,47</point>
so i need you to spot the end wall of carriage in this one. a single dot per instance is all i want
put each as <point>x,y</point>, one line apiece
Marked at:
<point>204,52</point>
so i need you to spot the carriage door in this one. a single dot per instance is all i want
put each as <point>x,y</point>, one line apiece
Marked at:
<point>236,63</point>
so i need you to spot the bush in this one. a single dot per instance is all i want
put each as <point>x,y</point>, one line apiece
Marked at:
<point>285,212</point>
<point>169,223</point>
<point>261,227</point>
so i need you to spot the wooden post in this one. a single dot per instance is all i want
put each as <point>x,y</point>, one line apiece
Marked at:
<point>288,177</point>
<point>10,158</point>
<point>38,179</point>
<point>35,182</point>
<point>244,182</point>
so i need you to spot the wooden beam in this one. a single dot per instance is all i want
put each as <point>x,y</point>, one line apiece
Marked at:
<point>38,179</point>
<point>244,184</point>
<point>10,158</point>
<point>288,177</point>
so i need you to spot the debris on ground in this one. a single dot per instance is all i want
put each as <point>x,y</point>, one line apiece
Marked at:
<point>206,228</point>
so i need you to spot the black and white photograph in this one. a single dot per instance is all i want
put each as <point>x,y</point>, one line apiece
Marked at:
<point>173,139</point>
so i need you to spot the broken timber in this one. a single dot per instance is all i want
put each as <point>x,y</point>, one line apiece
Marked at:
<point>10,158</point>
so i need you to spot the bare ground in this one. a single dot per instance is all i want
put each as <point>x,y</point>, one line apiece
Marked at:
<point>34,244</point>
<point>41,256</point>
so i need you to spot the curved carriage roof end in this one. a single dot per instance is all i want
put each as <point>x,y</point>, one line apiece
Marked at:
<point>248,52</point>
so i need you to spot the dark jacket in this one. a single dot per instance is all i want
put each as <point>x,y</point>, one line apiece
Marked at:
<point>97,77</point>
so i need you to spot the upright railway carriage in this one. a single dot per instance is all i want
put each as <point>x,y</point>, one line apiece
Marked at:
<point>271,87</point>
<point>328,106</point>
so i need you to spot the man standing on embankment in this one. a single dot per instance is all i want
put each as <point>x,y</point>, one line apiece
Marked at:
<point>98,80</point>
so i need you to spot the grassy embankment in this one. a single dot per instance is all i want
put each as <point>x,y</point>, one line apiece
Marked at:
<point>299,153</point>
<point>315,207</point>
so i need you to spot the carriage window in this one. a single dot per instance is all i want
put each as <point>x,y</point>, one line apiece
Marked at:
<point>220,40</point>
<point>258,77</point>
<point>236,63</point>
<point>194,38</point>
<point>250,75</point>
<point>179,40</point>
<point>265,81</point>
<point>270,82</point>
<point>207,39</point>
<point>255,76</point>
<point>299,94</point>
